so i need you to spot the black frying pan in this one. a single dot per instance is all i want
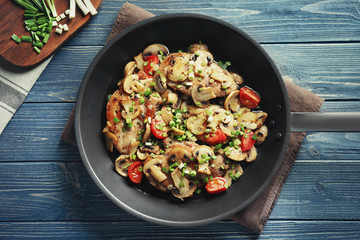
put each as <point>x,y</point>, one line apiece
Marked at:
<point>226,42</point>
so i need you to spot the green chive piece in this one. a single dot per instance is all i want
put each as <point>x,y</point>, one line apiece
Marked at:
<point>46,38</point>
<point>26,39</point>
<point>147,92</point>
<point>16,38</point>
<point>37,50</point>
<point>38,44</point>
<point>116,120</point>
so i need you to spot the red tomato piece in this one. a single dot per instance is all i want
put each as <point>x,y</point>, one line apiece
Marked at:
<point>247,141</point>
<point>134,172</point>
<point>213,138</point>
<point>249,98</point>
<point>217,185</point>
<point>158,128</point>
<point>149,64</point>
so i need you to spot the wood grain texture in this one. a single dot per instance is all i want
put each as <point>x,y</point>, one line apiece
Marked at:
<point>142,230</point>
<point>267,21</point>
<point>331,71</point>
<point>23,55</point>
<point>58,191</point>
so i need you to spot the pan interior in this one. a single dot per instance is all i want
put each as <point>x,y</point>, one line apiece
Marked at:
<point>177,32</point>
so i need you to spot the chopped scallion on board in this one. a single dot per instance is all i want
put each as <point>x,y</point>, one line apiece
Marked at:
<point>16,38</point>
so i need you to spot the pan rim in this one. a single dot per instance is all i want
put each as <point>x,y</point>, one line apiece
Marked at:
<point>94,175</point>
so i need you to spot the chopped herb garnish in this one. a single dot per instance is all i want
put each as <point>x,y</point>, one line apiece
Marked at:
<point>116,120</point>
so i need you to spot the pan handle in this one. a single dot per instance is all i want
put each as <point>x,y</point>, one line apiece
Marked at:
<point>325,121</point>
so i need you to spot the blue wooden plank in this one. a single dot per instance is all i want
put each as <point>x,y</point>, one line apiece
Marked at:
<point>34,134</point>
<point>64,191</point>
<point>328,70</point>
<point>142,230</point>
<point>266,21</point>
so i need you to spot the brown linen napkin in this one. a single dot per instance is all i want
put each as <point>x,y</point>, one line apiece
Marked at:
<point>257,213</point>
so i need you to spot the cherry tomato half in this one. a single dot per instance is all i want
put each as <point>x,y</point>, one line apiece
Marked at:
<point>134,172</point>
<point>213,138</point>
<point>248,97</point>
<point>149,64</point>
<point>217,185</point>
<point>247,141</point>
<point>158,128</point>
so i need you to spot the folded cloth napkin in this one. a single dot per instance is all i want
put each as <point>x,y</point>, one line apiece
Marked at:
<point>15,84</point>
<point>257,213</point>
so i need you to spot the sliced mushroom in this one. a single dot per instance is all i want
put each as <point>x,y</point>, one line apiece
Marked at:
<point>131,84</point>
<point>183,187</point>
<point>178,132</point>
<point>153,167</point>
<point>237,78</point>
<point>202,60</point>
<point>192,110</point>
<point>142,155</point>
<point>251,155</point>
<point>178,69</point>
<point>227,125</point>
<point>218,116</point>
<point>156,49</point>
<point>203,154</point>
<point>197,46</point>
<point>180,155</point>
<point>247,117</point>
<point>110,139</point>
<point>130,111</point>
<point>201,95</point>
<point>261,118</point>
<point>166,115</point>
<point>121,165</point>
<point>196,124</point>
<point>234,171</point>
<point>221,75</point>
<point>139,60</point>
<point>129,68</point>
<point>170,98</point>
<point>150,149</point>
<point>235,154</point>
<point>160,82</point>
<point>133,147</point>
<point>261,134</point>
<point>147,133</point>
<point>232,102</point>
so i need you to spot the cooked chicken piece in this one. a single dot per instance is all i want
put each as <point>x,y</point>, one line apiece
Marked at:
<point>125,115</point>
<point>197,75</point>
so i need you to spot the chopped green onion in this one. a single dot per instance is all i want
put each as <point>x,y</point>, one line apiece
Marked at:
<point>147,92</point>
<point>38,44</point>
<point>37,50</point>
<point>116,120</point>
<point>26,39</point>
<point>46,38</point>
<point>16,38</point>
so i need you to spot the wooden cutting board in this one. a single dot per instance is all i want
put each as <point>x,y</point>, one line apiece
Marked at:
<point>23,54</point>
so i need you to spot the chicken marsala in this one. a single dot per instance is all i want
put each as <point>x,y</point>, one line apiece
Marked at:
<point>184,121</point>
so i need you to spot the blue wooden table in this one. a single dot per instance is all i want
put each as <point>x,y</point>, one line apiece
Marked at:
<point>46,193</point>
